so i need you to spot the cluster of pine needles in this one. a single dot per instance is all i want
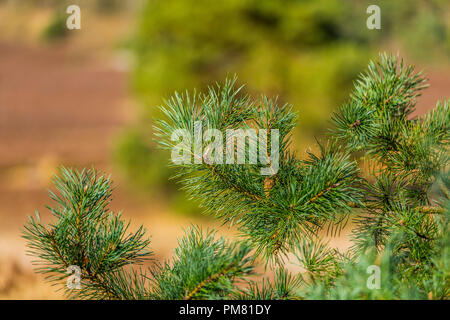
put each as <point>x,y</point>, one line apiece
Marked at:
<point>379,168</point>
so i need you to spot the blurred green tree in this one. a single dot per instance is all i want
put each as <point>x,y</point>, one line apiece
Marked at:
<point>306,52</point>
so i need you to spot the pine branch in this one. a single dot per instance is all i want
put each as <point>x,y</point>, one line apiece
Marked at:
<point>399,200</point>
<point>284,287</point>
<point>85,233</point>
<point>203,268</point>
<point>239,194</point>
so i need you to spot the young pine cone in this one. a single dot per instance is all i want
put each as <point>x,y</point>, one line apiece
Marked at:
<point>268,184</point>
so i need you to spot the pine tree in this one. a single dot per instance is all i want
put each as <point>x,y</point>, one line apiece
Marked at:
<point>381,169</point>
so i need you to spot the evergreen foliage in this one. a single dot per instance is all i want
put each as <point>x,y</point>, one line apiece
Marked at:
<point>384,170</point>
<point>309,52</point>
<point>87,235</point>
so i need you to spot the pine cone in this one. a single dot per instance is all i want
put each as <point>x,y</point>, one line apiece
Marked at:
<point>268,184</point>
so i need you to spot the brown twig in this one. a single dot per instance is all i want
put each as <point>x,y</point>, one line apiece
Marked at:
<point>206,281</point>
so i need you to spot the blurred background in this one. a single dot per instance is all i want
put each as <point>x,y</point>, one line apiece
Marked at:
<point>86,97</point>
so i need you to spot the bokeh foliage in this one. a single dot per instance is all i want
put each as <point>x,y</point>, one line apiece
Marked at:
<point>305,52</point>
